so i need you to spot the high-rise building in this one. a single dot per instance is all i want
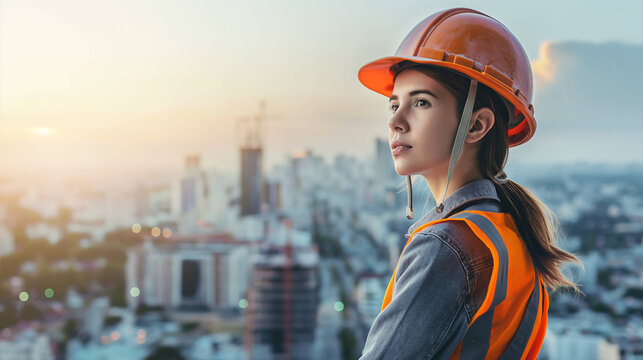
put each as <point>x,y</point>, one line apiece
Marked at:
<point>251,181</point>
<point>193,186</point>
<point>283,300</point>
<point>272,194</point>
<point>193,194</point>
<point>369,293</point>
<point>305,174</point>
<point>251,150</point>
<point>188,271</point>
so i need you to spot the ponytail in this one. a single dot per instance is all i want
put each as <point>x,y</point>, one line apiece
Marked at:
<point>538,226</point>
<point>539,230</point>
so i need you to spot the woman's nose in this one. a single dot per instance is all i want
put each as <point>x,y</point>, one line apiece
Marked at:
<point>398,123</point>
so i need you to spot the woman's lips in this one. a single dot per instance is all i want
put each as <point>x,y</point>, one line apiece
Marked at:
<point>400,149</point>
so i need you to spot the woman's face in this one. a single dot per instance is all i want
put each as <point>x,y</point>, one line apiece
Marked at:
<point>423,125</point>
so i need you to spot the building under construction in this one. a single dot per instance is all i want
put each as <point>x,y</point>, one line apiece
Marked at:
<point>251,142</point>
<point>283,300</point>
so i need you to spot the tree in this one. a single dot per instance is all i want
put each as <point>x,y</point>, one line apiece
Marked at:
<point>70,329</point>
<point>124,237</point>
<point>349,343</point>
<point>165,353</point>
<point>30,312</point>
<point>8,316</point>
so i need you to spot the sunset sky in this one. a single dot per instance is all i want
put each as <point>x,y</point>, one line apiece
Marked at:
<point>89,86</point>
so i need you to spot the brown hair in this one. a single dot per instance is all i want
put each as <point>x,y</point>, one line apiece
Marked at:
<point>537,225</point>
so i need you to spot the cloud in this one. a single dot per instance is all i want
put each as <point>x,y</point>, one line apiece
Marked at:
<point>587,102</point>
<point>582,82</point>
<point>543,67</point>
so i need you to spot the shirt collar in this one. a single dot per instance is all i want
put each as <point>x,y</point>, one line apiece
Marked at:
<point>473,191</point>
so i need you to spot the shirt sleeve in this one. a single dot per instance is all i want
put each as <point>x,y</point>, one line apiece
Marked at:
<point>426,318</point>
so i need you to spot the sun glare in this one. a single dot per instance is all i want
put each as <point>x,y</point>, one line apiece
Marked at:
<point>543,66</point>
<point>43,131</point>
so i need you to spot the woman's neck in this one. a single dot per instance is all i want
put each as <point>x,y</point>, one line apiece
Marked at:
<point>465,171</point>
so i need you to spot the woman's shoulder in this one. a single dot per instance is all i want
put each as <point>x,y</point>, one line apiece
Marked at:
<point>429,256</point>
<point>473,255</point>
<point>458,236</point>
<point>449,250</point>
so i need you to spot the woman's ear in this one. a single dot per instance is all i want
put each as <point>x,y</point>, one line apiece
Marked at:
<point>481,122</point>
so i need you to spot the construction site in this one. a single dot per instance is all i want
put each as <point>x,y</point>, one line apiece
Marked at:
<point>283,298</point>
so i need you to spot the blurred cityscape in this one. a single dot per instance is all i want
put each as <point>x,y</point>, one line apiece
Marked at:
<point>290,263</point>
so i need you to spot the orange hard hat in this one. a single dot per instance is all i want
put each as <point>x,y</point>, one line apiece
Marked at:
<point>473,44</point>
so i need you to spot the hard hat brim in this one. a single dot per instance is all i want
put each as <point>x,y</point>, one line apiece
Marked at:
<point>378,76</point>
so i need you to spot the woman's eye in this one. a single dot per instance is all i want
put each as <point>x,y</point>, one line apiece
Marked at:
<point>421,102</point>
<point>393,107</point>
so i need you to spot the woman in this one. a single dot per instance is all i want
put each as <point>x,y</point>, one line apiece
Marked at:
<point>471,281</point>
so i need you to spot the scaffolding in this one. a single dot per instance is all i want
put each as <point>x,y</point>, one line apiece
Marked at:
<point>283,298</point>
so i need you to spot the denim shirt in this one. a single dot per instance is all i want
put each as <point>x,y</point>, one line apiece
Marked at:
<point>440,282</point>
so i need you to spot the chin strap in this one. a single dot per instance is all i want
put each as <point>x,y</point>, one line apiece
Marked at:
<point>409,191</point>
<point>460,136</point>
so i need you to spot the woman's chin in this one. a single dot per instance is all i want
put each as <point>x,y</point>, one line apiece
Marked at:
<point>403,171</point>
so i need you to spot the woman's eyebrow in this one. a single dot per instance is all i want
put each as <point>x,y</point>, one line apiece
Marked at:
<point>415,92</point>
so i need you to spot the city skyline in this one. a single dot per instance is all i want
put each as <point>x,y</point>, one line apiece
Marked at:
<point>354,222</point>
<point>113,87</point>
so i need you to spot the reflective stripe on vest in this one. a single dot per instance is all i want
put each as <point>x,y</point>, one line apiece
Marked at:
<point>528,337</point>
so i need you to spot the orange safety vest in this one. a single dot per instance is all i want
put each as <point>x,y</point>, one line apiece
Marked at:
<point>512,320</point>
